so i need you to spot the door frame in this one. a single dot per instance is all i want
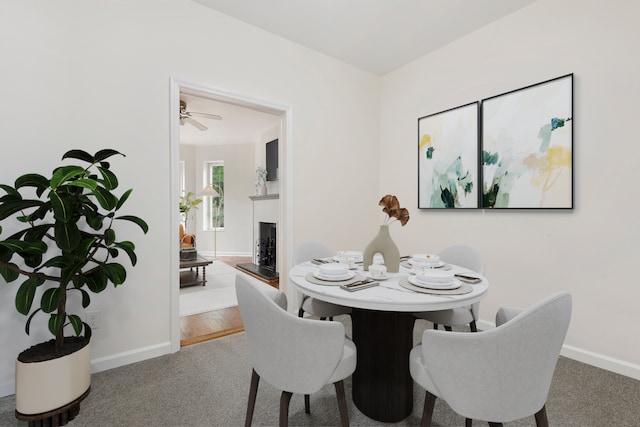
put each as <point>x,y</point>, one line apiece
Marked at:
<point>285,158</point>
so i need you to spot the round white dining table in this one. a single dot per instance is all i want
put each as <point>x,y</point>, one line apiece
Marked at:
<point>382,330</point>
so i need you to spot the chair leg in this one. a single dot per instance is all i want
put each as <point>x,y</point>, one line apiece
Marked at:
<point>473,326</point>
<point>495,424</point>
<point>541,418</point>
<point>307,404</point>
<point>285,398</point>
<point>435,326</point>
<point>468,422</point>
<point>427,411</point>
<point>447,328</point>
<point>301,313</point>
<point>253,391</point>
<point>342,403</point>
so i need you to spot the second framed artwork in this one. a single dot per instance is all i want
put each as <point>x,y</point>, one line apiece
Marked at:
<point>448,158</point>
<point>512,151</point>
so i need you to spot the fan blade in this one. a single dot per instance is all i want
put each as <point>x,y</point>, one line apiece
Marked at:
<point>195,123</point>
<point>206,115</point>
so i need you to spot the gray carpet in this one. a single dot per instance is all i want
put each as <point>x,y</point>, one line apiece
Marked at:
<point>207,384</point>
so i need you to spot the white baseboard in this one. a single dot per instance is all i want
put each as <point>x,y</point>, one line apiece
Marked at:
<point>590,358</point>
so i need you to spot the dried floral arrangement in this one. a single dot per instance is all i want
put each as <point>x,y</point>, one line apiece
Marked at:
<point>393,210</point>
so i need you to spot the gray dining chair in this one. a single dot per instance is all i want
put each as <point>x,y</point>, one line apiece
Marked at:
<point>467,257</point>
<point>293,354</point>
<point>307,251</point>
<point>499,375</point>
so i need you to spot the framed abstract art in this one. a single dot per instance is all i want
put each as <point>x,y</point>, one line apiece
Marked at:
<point>527,147</point>
<point>448,158</point>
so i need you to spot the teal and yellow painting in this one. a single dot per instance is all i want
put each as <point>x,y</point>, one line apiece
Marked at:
<point>527,147</point>
<point>448,158</point>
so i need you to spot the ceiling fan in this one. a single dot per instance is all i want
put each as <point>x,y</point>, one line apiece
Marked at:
<point>186,116</point>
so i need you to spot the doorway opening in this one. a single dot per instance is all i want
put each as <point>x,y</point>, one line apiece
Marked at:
<point>192,91</point>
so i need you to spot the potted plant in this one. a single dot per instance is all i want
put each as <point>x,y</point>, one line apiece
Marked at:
<point>63,241</point>
<point>187,202</point>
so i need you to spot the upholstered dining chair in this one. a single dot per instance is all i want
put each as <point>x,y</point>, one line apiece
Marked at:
<point>467,257</point>
<point>499,375</point>
<point>293,354</point>
<point>307,251</point>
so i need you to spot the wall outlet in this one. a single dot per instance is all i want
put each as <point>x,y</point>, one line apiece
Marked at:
<point>93,319</point>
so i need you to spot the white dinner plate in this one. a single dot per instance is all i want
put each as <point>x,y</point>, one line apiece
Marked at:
<point>349,275</point>
<point>370,276</point>
<point>454,284</point>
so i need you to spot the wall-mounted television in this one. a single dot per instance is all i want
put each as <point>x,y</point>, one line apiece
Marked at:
<point>272,160</point>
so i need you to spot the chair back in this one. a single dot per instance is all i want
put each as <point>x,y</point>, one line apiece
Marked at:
<point>291,353</point>
<point>464,256</point>
<point>309,250</point>
<point>502,374</point>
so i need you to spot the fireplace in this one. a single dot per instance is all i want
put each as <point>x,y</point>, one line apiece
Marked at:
<point>266,245</point>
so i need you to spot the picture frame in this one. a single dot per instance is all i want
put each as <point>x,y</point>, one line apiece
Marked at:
<point>448,152</point>
<point>527,147</point>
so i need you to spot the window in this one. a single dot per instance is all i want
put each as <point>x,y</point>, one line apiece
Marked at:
<point>214,206</point>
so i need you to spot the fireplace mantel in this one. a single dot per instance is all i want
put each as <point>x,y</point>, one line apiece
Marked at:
<point>267,197</point>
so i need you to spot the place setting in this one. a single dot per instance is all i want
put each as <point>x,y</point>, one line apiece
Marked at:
<point>334,274</point>
<point>424,262</point>
<point>436,282</point>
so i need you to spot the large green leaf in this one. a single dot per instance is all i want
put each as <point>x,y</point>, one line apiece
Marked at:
<point>64,174</point>
<point>61,204</point>
<point>87,330</point>
<point>87,183</point>
<point>143,225</point>
<point>105,198</point>
<point>50,299</point>
<point>9,275</point>
<point>37,232</point>
<point>9,208</point>
<point>27,326</point>
<point>105,154</point>
<point>76,323</point>
<point>96,281</point>
<point>109,236</point>
<point>78,154</point>
<point>129,248</point>
<point>124,198</point>
<point>26,293</point>
<point>116,273</point>
<point>33,180</point>
<point>109,179</point>
<point>10,191</point>
<point>20,246</point>
<point>56,322</point>
<point>67,235</point>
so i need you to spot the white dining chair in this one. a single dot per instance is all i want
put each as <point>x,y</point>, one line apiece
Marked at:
<point>467,257</point>
<point>308,251</point>
<point>499,375</point>
<point>293,354</point>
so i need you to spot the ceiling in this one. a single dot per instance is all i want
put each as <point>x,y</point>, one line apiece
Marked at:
<point>375,35</point>
<point>239,125</point>
<point>378,36</point>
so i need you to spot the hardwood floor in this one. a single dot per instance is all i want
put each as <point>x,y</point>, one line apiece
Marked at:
<point>213,324</point>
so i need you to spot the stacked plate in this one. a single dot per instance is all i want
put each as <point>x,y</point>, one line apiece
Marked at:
<point>425,261</point>
<point>334,272</point>
<point>435,279</point>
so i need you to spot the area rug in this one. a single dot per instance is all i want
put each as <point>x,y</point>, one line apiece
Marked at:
<point>219,292</point>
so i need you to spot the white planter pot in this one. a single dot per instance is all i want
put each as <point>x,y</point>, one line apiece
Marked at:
<point>52,384</point>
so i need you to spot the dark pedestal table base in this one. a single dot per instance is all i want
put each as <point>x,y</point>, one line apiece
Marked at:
<point>382,384</point>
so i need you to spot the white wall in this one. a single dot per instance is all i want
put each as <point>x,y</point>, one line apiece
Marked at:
<point>590,251</point>
<point>96,74</point>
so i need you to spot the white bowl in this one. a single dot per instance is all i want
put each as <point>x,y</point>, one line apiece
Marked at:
<point>333,269</point>
<point>427,259</point>
<point>435,276</point>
